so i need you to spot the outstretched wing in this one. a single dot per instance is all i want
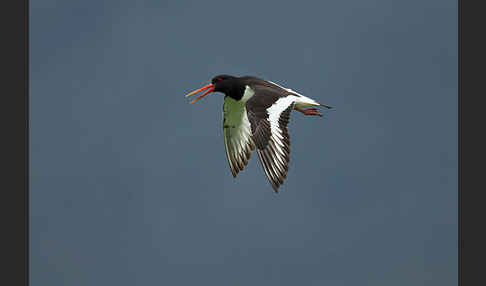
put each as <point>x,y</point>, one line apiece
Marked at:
<point>269,115</point>
<point>237,135</point>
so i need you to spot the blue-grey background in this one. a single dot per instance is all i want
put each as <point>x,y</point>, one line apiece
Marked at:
<point>130,184</point>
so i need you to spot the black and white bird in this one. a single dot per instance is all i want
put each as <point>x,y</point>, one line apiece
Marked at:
<point>255,115</point>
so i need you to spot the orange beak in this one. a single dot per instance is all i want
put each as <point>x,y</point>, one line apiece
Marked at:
<point>209,87</point>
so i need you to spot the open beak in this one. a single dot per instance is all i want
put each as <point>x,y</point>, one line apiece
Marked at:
<point>209,87</point>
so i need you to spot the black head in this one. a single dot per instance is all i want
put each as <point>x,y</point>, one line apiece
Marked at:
<point>221,78</point>
<point>229,85</point>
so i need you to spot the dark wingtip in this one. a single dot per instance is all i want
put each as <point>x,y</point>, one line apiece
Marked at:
<point>275,187</point>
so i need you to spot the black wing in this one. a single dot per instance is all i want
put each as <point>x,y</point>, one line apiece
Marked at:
<point>269,114</point>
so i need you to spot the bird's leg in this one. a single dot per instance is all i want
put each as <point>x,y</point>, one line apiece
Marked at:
<point>308,111</point>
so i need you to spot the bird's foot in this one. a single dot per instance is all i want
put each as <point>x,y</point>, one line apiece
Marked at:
<point>309,111</point>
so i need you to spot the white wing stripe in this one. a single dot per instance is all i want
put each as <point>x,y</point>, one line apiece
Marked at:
<point>275,111</point>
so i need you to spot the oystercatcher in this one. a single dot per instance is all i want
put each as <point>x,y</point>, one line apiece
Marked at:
<point>255,114</point>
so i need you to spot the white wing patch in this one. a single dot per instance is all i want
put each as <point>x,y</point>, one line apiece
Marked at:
<point>237,134</point>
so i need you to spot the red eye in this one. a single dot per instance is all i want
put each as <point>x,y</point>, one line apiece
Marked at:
<point>220,79</point>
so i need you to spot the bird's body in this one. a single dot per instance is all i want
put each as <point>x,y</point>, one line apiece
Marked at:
<point>255,116</point>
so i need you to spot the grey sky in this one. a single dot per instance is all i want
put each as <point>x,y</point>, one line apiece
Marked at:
<point>130,184</point>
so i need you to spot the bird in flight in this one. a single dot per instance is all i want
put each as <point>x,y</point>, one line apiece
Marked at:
<point>255,115</point>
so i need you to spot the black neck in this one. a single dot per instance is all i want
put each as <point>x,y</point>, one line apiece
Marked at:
<point>237,93</point>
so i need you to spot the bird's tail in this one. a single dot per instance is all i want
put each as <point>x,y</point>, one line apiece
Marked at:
<point>326,106</point>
